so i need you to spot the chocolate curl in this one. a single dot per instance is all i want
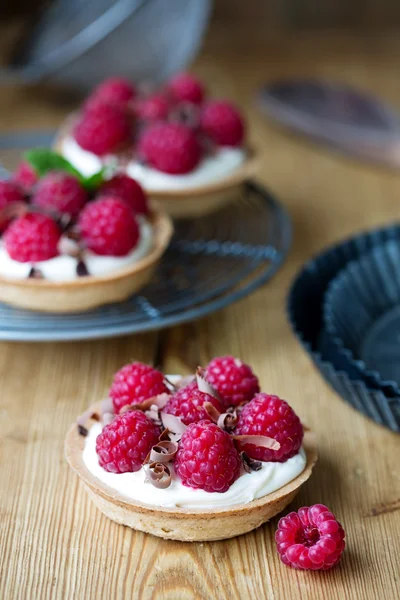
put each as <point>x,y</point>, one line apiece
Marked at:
<point>158,474</point>
<point>168,436</point>
<point>67,245</point>
<point>204,386</point>
<point>172,386</point>
<point>172,423</point>
<point>184,381</point>
<point>158,401</point>
<point>163,452</point>
<point>250,464</point>
<point>83,419</point>
<point>262,441</point>
<point>227,420</point>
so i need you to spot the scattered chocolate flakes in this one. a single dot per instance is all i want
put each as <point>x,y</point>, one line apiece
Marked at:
<point>204,386</point>
<point>154,414</point>
<point>172,386</point>
<point>95,417</point>
<point>35,273</point>
<point>81,269</point>
<point>168,436</point>
<point>250,464</point>
<point>82,430</point>
<point>173,423</point>
<point>257,440</point>
<point>158,474</point>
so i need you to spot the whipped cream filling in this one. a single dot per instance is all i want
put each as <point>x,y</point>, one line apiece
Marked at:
<point>249,486</point>
<point>210,169</point>
<point>64,268</point>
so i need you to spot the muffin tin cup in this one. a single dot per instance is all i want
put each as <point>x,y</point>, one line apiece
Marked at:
<point>305,312</point>
<point>356,310</point>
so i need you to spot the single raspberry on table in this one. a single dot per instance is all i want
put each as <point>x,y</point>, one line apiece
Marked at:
<point>310,538</point>
<point>270,416</point>
<point>234,380</point>
<point>187,404</point>
<point>223,123</point>
<point>115,90</point>
<point>103,129</point>
<point>135,383</point>
<point>10,193</point>
<point>186,88</point>
<point>128,190</point>
<point>32,238</point>
<point>108,227</point>
<point>170,147</point>
<point>123,445</point>
<point>61,192</point>
<point>25,176</point>
<point>153,108</point>
<point>207,458</point>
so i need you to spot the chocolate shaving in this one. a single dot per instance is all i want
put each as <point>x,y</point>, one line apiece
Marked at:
<point>212,412</point>
<point>158,474</point>
<point>154,414</point>
<point>168,436</point>
<point>262,441</point>
<point>250,464</point>
<point>82,430</point>
<point>68,245</point>
<point>184,381</point>
<point>172,423</point>
<point>83,419</point>
<point>107,411</point>
<point>163,452</point>
<point>158,401</point>
<point>204,386</point>
<point>81,269</point>
<point>35,273</point>
<point>228,420</point>
<point>169,383</point>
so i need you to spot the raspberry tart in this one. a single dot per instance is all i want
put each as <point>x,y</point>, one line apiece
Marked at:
<point>70,243</point>
<point>172,457</point>
<point>188,151</point>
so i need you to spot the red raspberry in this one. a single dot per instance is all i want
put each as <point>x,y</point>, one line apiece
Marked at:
<point>233,379</point>
<point>273,417</point>
<point>123,445</point>
<point>153,108</point>
<point>311,538</point>
<point>135,383</point>
<point>60,191</point>
<point>128,190</point>
<point>109,227</point>
<point>207,458</point>
<point>32,238</point>
<point>186,88</point>
<point>170,147</point>
<point>25,176</point>
<point>222,122</point>
<point>187,403</point>
<point>10,193</point>
<point>103,129</point>
<point>115,90</point>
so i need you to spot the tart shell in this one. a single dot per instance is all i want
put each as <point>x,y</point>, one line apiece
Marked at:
<point>89,291</point>
<point>187,525</point>
<point>195,201</point>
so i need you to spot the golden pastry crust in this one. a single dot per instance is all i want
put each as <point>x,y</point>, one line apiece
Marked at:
<point>89,292</point>
<point>184,524</point>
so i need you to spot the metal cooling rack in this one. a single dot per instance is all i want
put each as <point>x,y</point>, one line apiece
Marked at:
<point>211,262</point>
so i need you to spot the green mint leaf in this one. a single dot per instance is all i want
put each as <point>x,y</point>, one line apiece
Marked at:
<point>93,182</point>
<point>44,160</point>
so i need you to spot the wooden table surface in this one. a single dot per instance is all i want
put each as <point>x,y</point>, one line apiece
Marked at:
<point>53,542</point>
